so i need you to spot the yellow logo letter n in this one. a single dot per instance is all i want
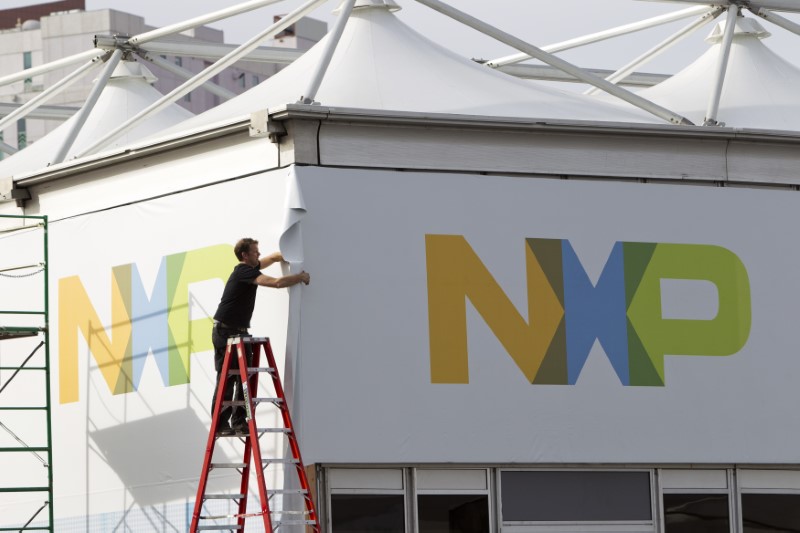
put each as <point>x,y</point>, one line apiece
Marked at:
<point>113,355</point>
<point>456,273</point>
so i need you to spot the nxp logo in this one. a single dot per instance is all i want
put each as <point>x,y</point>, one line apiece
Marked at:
<point>567,312</point>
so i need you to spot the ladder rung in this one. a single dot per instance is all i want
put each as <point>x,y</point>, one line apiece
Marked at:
<point>223,496</point>
<point>290,512</point>
<point>287,491</point>
<point>253,370</point>
<point>23,408</point>
<point>246,433</point>
<point>229,527</point>
<point>283,461</point>
<point>279,523</point>
<point>228,465</point>
<point>25,449</point>
<point>276,401</point>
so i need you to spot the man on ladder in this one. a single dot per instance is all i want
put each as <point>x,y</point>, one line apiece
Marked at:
<point>233,318</point>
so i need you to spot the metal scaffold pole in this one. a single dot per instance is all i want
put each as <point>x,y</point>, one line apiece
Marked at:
<point>21,392</point>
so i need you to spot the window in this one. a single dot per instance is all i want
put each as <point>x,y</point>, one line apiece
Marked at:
<point>453,513</point>
<point>770,500</point>
<point>575,496</point>
<point>27,62</point>
<point>452,501</point>
<point>696,513</point>
<point>696,501</point>
<point>770,512</point>
<point>359,513</point>
<point>367,500</point>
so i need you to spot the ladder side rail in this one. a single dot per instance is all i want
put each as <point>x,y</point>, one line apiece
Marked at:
<point>252,446</point>
<point>287,421</point>
<point>215,414</point>
<point>252,387</point>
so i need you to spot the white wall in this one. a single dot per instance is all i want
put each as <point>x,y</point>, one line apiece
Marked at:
<point>366,391</point>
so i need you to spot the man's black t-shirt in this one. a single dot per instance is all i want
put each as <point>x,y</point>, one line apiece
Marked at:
<point>239,297</point>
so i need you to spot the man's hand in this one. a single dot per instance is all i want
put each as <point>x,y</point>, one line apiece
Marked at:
<point>305,277</point>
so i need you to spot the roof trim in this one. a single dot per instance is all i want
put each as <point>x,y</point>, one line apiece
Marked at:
<point>354,116</point>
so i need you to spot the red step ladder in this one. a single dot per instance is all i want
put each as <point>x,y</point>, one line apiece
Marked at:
<point>252,450</point>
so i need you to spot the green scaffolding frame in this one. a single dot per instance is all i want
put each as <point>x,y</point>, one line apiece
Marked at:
<point>16,332</point>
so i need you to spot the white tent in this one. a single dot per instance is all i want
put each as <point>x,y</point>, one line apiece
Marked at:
<point>129,90</point>
<point>380,63</point>
<point>760,89</point>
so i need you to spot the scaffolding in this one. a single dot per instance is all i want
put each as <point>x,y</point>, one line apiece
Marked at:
<point>26,488</point>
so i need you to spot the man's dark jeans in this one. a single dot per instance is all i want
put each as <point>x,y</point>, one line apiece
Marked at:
<point>233,386</point>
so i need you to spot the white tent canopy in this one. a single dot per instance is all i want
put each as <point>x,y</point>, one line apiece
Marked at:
<point>129,90</point>
<point>380,63</point>
<point>760,89</point>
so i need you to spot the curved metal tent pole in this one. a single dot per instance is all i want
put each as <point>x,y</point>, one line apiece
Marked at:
<point>778,20</point>
<point>661,47</point>
<point>7,148</point>
<point>204,75</point>
<point>216,51</point>
<point>773,5</point>
<point>557,62</point>
<point>181,72</point>
<point>604,35</point>
<point>722,67</point>
<point>53,65</point>
<point>88,106</point>
<point>330,47</point>
<point>199,21</point>
<point>50,92</point>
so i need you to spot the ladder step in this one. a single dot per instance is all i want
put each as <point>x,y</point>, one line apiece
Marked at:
<point>253,370</point>
<point>229,527</point>
<point>276,401</point>
<point>228,465</point>
<point>261,431</point>
<point>286,491</point>
<point>283,461</point>
<point>224,496</point>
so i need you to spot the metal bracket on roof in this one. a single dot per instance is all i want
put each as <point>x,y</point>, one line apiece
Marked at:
<point>262,126</point>
<point>10,192</point>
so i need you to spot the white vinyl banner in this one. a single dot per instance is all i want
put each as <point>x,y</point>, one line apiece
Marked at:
<point>490,319</point>
<point>132,292</point>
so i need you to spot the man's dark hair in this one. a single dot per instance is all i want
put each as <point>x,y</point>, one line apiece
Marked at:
<point>243,246</point>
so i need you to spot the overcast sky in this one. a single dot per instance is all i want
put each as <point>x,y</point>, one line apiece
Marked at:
<point>539,22</point>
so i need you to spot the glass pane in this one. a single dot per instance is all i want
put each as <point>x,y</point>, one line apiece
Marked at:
<point>770,512</point>
<point>575,496</point>
<point>453,513</point>
<point>362,513</point>
<point>696,513</point>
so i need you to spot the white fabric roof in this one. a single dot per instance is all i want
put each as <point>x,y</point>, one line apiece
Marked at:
<point>128,91</point>
<point>380,63</point>
<point>761,90</point>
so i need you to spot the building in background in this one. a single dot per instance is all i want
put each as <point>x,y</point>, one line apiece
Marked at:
<point>35,35</point>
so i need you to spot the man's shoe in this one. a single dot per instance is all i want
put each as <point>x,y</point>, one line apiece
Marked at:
<point>241,426</point>
<point>225,431</point>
